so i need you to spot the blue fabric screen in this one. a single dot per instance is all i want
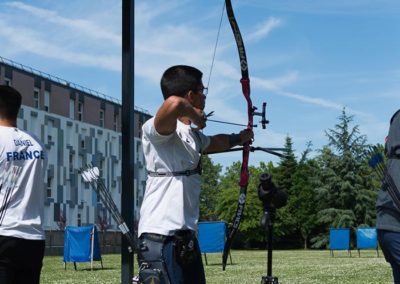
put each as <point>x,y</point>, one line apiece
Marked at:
<point>77,244</point>
<point>212,236</point>
<point>339,239</point>
<point>367,238</point>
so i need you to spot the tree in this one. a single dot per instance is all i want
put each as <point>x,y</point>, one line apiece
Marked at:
<point>344,186</point>
<point>303,198</point>
<point>227,200</point>
<point>285,223</point>
<point>286,167</point>
<point>209,186</point>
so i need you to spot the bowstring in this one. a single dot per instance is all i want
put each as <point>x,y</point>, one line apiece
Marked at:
<point>215,46</point>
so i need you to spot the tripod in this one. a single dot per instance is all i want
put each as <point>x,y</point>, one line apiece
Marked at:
<point>267,222</point>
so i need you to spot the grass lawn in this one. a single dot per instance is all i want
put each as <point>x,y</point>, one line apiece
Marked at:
<point>290,266</point>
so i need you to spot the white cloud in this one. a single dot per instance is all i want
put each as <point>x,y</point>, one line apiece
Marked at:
<point>83,26</point>
<point>277,85</point>
<point>321,102</point>
<point>339,7</point>
<point>265,28</point>
<point>26,40</point>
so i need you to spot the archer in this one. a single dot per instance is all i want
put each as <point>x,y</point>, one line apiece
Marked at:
<point>168,247</point>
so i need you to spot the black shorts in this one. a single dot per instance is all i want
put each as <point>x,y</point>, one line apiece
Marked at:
<point>20,260</point>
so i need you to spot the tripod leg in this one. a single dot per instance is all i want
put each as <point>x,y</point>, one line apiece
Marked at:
<point>269,279</point>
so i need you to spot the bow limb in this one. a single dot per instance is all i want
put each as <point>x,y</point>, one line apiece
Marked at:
<point>244,173</point>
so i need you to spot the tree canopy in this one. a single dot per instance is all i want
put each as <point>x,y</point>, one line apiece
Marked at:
<point>333,188</point>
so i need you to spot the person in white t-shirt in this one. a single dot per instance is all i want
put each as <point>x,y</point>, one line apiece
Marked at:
<point>173,145</point>
<point>22,167</point>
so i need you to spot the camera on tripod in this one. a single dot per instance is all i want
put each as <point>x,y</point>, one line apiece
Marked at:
<point>271,196</point>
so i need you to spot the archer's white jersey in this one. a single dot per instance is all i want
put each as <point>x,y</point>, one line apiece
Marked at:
<point>23,162</point>
<point>171,203</point>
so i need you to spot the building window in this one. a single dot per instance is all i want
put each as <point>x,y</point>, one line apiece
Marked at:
<point>48,191</point>
<point>101,118</point>
<point>79,221</point>
<point>72,109</point>
<point>46,101</point>
<point>138,148</point>
<point>7,81</point>
<point>80,162</point>
<point>71,163</point>
<point>101,168</point>
<point>116,119</point>
<point>80,111</point>
<point>140,129</point>
<point>83,143</point>
<point>36,97</point>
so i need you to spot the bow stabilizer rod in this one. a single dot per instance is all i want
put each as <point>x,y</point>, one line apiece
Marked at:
<point>272,151</point>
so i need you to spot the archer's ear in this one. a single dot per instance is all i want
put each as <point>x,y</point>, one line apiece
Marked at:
<point>190,96</point>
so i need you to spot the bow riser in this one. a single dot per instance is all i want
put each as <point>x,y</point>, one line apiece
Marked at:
<point>240,209</point>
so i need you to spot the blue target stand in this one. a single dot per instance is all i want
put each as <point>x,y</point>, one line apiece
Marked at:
<point>367,239</point>
<point>339,239</point>
<point>81,244</point>
<point>212,237</point>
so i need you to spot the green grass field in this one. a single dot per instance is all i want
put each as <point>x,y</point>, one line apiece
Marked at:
<point>293,266</point>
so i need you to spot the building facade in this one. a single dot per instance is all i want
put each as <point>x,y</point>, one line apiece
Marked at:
<point>78,126</point>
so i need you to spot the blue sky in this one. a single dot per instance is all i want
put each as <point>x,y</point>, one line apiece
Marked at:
<point>307,58</point>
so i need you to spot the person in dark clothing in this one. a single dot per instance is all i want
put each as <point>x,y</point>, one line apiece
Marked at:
<point>388,212</point>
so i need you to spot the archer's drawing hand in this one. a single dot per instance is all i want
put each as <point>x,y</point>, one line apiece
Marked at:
<point>199,119</point>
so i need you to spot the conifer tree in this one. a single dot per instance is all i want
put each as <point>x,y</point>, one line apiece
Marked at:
<point>303,199</point>
<point>344,188</point>
<point>285,223</point>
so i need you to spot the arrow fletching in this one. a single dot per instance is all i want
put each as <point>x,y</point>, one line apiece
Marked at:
<point>375,160</point>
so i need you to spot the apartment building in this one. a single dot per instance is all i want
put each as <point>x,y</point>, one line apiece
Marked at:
<point>78,126</point>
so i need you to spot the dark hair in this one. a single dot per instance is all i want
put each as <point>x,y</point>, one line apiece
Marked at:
<point>10,102</point>
<point>394,115</point>
<point>180,79</point>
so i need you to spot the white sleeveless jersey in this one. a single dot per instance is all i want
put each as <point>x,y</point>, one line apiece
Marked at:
<point>23,162</point>
<point>171,203</point>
